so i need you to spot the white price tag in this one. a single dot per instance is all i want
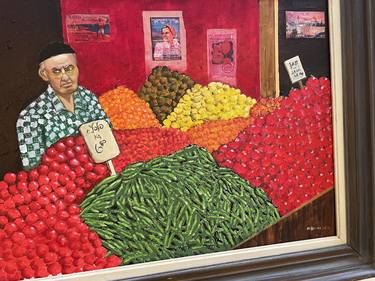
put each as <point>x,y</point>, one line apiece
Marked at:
<point>100,141</point>
<point>295,69</point>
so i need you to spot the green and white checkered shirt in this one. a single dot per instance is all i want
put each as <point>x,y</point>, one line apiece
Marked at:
<point>46,120</point>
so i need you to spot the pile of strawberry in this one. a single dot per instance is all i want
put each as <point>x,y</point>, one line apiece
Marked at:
<point>140,145</point>
<point>41,232</point>
<point>288,153</point>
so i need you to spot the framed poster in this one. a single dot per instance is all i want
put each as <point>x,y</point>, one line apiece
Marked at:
<point>164,39</point>
<point>305,24</point>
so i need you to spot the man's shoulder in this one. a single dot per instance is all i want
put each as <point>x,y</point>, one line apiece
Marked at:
<point>38,107</point>
<point>85,92</point>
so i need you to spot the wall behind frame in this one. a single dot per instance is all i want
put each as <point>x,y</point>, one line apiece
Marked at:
<point>314,53</point>
<point>26,26</point>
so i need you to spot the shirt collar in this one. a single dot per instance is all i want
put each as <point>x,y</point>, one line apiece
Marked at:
<point>59,106</point>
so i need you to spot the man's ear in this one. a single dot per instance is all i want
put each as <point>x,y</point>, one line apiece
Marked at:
<point>42,73</point>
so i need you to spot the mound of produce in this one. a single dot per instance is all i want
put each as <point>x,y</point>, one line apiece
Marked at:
<point>126,110</point>
<point>265,106</point>
<point>217,101</point>
<point>288,153</point>
<point>41,232</point>
<point>174,206</point>
<point>163,89</point>
<point>141,145</point>
<point>212,134</point>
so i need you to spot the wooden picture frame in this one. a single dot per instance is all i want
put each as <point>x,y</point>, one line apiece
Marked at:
<point>355,259</point>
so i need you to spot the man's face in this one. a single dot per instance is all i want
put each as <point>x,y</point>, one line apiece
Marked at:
<point>166,34</point>
<point>61,72</point>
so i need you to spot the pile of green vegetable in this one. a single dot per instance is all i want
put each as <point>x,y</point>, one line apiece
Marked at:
<point>163,89</point>
<point>179,205</point>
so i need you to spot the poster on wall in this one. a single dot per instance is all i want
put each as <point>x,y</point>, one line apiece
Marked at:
<point>164,39</point>
<point>221,55</point>
<point>305,24</point>
<point>88,28</point>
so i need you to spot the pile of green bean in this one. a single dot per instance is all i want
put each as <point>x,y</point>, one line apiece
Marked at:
<point>174,206</point>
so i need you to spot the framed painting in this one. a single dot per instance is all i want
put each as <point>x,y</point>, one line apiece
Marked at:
<point>216,180</point>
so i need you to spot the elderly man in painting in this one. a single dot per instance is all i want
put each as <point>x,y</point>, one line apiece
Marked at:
<point>170,48</point>
<point>60,110</point>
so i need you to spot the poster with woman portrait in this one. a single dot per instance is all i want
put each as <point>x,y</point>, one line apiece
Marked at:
<point>164,39</point>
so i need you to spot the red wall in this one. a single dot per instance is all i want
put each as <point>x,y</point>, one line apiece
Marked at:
<point>103,66</point>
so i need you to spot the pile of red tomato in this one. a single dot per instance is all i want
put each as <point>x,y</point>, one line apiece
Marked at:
<point>288,153</point>
<point>139,145</point>
<point>41,232</point>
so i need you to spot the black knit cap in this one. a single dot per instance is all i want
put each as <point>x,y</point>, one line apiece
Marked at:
<point>54,49</point>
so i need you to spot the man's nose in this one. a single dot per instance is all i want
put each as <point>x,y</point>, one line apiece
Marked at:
<point>64,75</point>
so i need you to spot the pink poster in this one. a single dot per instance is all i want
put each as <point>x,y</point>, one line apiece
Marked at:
<point>88,28</point>
<point>222,55</point>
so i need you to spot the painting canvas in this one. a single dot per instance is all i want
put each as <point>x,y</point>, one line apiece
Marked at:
<point>305,24</point>
<point>204,163</point>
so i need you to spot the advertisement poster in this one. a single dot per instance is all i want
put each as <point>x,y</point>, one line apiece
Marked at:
<point>305,24</point>
<point>164,39</point>
<point>88,28</point>
<point>222,55</point>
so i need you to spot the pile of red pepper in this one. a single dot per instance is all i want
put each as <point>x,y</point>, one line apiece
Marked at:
<point>41,232</point>
<point>288,153</point>
<point>140,145</point>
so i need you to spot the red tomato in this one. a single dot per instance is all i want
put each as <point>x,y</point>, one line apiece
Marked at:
<point>69,142</point>
<point>60,158</point>
<point>50,257</point>
<point>74,209</point>
<point>3,220</point>
<point>13,189</point>
<point>32,218</point>
<point>60,146</point>
<point>69,153</point>
<point>43,179</point>
<point>53,176</point>
<point>61,227</point>
<point>43,169</point>
<point>54,268</point>
<point>35,206</point>
<point>33,185</point>
<point>74,162</point>
<point>43,200</point>
<point>24,210</point>
<point>45,189</point>
<point>33,174</point>
<point>10,228</point>
<point>10,178</point>
<point>53,197</point>
<point>18,199</point>
<point>51,234</point>
<point>3,185</point>
<point>18,237</point>
<point>60,192</point>
<point>51,152</point>
<point>51,209</point>
<point>40,226</point>
<point>22,176</point>
<point>70,198</point>
<point>14,214</point>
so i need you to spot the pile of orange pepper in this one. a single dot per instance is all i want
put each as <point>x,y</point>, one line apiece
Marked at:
<point>126,110</point>
<point>212,134</point>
